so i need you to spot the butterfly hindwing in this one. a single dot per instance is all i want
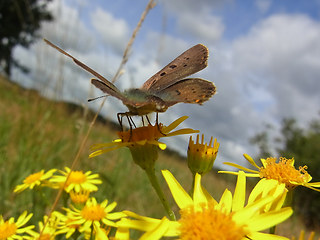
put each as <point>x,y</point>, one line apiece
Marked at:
<point>190,90</point>
<point>189,62</point>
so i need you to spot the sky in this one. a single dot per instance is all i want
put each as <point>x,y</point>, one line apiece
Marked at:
<point>264,58</point>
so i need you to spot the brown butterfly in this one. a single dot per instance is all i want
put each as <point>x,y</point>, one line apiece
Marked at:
<point>164,89</point>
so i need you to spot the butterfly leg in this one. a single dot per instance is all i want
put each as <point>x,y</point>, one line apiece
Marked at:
<point>142,120</point>
<point>148,120</point>
<point>119,116</point>
<point>158,126</point>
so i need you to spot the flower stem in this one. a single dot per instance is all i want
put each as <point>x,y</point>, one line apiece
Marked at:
<point>155,184</point>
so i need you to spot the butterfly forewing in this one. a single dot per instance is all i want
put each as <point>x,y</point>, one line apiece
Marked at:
<point>107,89</point>
<point>190,90</point>
<point>189,62</point>
<point>85,67</point>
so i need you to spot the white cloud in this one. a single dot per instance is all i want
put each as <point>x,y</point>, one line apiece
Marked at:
<point>67,27</point>
<point>114,32</point>
<point>195,19</point>
<point>282,53</point>
<point>205,27</point>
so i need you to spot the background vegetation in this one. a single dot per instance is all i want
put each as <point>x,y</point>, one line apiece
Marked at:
<point>40,134</point>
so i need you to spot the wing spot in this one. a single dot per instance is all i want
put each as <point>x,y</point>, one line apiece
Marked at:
<point>178,92</point>
<point>173,66</point>
<point>185,65</point>
<point>162,74</point>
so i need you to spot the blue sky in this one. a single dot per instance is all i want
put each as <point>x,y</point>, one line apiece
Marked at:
<point>264,59</point>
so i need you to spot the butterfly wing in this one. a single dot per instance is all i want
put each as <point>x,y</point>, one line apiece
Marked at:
<point>190,90</point>
<point>189,62</point>
<point>107,89</point>
<point>85,67</point>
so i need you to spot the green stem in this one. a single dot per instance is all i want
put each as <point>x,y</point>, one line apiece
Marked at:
<point>155,184</point>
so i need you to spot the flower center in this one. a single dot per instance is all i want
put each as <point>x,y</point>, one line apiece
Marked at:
<point>93,213</point>
<point>33,177</point>
<point>284,171</point>
<point>209,224</point>
<point>76,177</point>
<point>7,230</point>
<point>141,133</point>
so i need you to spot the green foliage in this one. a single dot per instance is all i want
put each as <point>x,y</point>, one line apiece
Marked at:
<point>19,22</point>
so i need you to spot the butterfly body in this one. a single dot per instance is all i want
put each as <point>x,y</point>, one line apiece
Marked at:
<point>140,102</point>
<point>165,88</point>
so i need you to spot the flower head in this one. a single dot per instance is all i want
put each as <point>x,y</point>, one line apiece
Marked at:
<point>35,179</point>
<point>79,197</point>
<point>283,171</point>
<point>141,136</point>
<point>11,230</point>
<point>202,217</point>
<point>48,227</point>
<point>93,215</point>
<point>77,180</point>
<point>201,156</point>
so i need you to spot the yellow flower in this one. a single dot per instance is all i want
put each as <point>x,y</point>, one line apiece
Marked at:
<point>141,136</point>
<point>66,226</point>
<point>79,197</point>
<point>283,171</point>
<point>35,179</point>
<point>77,180</point>
<point>201,156</point>
<point>202,217</point>
<point>10,230</point>
<point>93,215</point>
<point>48,228</point>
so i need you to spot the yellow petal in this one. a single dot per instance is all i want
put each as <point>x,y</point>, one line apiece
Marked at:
<point>239,167</point>
<point>239,192</point>
<point>225,202</point>
<point>158,231</point>
<point>180,196</point>
<point>250,160</point>
<point>198,195</point>
<point>174,124</point>
<point>269,219</point>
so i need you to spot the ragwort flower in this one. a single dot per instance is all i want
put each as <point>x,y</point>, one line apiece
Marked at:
<point>141,136</point>
<point>93,215</point>
<point>201,156</point>
<point>48,227</point>
<point>35,179</point>
<point>283,171</point>
<point>77,180</point>
<point>202,217</point>
<point>10,230</point>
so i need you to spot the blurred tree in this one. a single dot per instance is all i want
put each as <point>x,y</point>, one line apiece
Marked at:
<point>304,146</point>
<point>19,22</point>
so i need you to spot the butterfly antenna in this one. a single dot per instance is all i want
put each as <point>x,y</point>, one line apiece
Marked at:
<point>92,99</point>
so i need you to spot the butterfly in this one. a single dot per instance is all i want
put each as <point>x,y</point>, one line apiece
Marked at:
<point>165,88</point>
